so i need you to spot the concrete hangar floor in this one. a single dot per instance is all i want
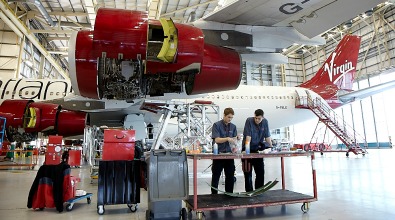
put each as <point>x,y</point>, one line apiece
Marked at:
<point>358,187</point>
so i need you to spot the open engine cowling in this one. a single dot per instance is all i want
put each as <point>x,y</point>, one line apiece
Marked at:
<point>127,56</point>
<point>26,116</point>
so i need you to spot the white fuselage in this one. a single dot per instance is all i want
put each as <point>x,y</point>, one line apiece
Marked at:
<point>278,104</point>
<point>35,89</point>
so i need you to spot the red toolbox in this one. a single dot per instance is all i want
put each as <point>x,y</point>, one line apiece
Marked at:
<point>74,158</point>
<point>119,144</point>
<point>53,155</point>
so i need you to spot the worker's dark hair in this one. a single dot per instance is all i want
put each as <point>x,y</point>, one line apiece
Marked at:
<point>228,111</point>
<point>259,112</point>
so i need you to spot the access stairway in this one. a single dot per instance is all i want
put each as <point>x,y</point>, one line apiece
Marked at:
<point>337,125</point>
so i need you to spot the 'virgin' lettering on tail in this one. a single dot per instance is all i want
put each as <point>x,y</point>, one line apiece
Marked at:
<point>334,70</point>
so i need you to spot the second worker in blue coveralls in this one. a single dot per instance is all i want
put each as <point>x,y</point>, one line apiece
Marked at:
<point>223,133</point>
<point>256,133</point>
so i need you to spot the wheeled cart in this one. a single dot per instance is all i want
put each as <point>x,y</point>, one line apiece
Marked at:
<point>201,203</point>
<point>54,186</point>
<point>119,183</point>
<point>70,202</point>
<point>167,184</point>
<point>119,171</point>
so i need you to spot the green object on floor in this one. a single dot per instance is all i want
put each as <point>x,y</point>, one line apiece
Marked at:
<point>253,193</point>
<point>28,154</point>
<point>11,154</point>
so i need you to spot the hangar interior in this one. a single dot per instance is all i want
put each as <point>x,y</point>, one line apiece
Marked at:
<point>34,43</point>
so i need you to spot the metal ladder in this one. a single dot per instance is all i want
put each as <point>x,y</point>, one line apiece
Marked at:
<point>335,123</point>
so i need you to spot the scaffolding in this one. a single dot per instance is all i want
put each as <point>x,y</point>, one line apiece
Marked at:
<point>195,121</point>
<point>92,148</point>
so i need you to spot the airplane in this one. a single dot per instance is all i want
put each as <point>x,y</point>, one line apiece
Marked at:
<point>332,82</point>
<point>143,59</point>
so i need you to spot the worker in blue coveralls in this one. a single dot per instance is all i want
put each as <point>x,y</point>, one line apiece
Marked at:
<point>223,133</point>
<point>256,133</point>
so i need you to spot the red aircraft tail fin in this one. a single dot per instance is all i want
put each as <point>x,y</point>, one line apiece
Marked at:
<point>338,71</point>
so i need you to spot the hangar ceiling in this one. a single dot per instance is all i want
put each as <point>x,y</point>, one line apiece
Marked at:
<point>56,20</point>
<point>52,22</point>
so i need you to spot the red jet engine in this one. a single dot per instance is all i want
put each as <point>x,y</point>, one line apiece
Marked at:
<point>26,117</point>
<point>127,56</point>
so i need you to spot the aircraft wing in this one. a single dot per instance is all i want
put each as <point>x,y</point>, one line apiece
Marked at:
<point>152,110</point>
<point>309,17</point>
<point>363,93</point>
<point>260,29</point>
<point>78,105</point>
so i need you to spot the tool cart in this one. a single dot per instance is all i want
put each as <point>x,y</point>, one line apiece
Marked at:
<point>167,184</point>
<point>201,203</point>
<point>119,171</point>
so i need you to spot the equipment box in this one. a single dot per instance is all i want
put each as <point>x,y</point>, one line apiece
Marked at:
<point>53,155</point>
<point>167,184</point>
<point>118,144</point>
<point>168,175</point>
<point>74,158</point>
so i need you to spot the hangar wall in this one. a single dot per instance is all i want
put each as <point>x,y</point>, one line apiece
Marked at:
<point>19,57</point>
<point>9,51</point>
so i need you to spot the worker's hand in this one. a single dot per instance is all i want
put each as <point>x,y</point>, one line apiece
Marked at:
<point>230,140</point>
<point>264,145</point>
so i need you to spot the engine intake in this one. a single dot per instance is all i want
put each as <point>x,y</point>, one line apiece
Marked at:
<point>128,56</point>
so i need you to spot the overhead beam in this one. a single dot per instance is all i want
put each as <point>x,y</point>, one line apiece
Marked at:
<point>40,7</point>
<point>64,53</point>
<point>90,8</point>
<point>18,27</point>
<point>154,9</point>
<point>36,31</point>
<point>60,13</point>
<point>70,23</point>
<point>9,23</point>
<point>57,38</point>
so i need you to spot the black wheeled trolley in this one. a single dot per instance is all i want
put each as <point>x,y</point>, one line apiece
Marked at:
<point>119,183</point>
<point>167,184</point>
<point>119,170</point>
<point>201,203</point>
